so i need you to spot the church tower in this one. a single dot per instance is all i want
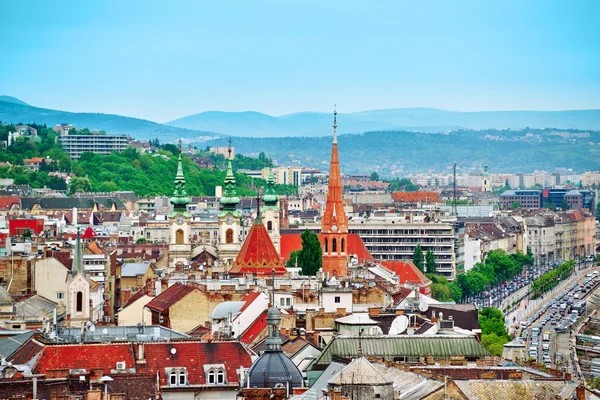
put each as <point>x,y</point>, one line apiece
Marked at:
<point>78,289</point>
<point>485,180</point>
<point>180,247</point>
<point>270,211</point>
<point>334,223</point>
<point>229,218</point>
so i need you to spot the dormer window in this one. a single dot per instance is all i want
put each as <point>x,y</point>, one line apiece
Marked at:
<point>215,374</point>
<point>177,376</point>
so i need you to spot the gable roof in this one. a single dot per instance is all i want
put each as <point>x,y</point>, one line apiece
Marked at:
<point>258,255</point>
<point>408,272</point>
<point>196,357</point>
<point>254,330</point>
<point>11,344</point>
<point>416,197</point>
<point>85,356</point>
<point>89,233</point>
<point>359,372</point>
<point>170,296</point>
<point>7,202</point>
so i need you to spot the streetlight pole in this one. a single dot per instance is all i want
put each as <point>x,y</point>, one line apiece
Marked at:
<point>105,379</point>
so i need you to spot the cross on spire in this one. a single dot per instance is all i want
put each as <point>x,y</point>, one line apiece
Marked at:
<point>229,149</point>
<point>334,123</point>
<point>179,145</point>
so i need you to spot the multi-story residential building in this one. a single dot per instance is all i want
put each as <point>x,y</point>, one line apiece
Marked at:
<point>75,145</point>
<point>223,150</point>
<point>590,178</point>
<point>285,175</point>
<point>541,235</point>
<point>395,237</point>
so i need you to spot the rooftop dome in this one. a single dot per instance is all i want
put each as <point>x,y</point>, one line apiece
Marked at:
<point>271,369</point>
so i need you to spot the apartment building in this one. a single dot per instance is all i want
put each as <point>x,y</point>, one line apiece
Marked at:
<point>75,145</point>
<point>394,237</point>
<point>285,175</point>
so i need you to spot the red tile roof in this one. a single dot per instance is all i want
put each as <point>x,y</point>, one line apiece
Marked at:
<point>254,330</point>
<point>170,296</point>
<point>193,356</point>
<point>407,271</point>
<point>258,255</point>
<point>249,298</point>
<point>85,356</point>
<point>89,233</point>
<point>64,257</point>
<point>416,197</point>
<point>7,202</point>
<point>292,241</point>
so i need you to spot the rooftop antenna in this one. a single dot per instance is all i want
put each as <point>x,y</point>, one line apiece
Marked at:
<point>273,287</point>
<point>360,350</point>
<point>454,211</point>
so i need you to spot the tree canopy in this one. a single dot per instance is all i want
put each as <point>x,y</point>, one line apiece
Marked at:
<point>418,258</point>
<point>310,257</point>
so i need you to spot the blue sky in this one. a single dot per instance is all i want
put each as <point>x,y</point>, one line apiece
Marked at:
<point>161,60</point>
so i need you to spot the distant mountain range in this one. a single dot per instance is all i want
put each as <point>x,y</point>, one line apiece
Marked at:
<point>392,142</point>
<point>428,120</point>
<point>13,110</point>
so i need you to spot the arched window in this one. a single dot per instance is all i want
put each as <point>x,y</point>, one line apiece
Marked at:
<point>326,245</point>
<point>211,377</point>
<point>173,378</point>
<point>182,378</point>
<point>179,236</point>
<point>343,245</point>
<point>334,245</point>
<point>220,377</point>
<point>79,302</point>
<point>229,236</point>
<point>269,226</point>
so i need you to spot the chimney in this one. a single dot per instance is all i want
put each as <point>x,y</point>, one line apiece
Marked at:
<point>336,394</point>
<point>374,311</point>
<point>141,352</point>
<point>74,219</point>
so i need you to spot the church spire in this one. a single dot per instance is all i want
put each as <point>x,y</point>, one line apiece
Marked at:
<point>270,198</point>
<point>180,200</point>
<point>78,256</point>
<point>334,124</point>
<point>229,199</point>
<point>334,222</point>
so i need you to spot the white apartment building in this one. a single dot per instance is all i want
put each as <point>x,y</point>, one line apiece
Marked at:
<point>75,145</point>
<point>395,237</point>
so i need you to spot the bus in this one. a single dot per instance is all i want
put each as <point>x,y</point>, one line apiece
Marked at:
<point>579,308</point>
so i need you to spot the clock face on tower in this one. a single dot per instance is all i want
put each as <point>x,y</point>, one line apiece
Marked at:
<point>180,220</point>
<point>334,228</point>
<point>229,220</point>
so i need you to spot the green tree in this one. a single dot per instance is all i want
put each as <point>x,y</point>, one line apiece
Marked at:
<point>310,257</point>
<point>440,292</point>
<point>294,255</point>
<point>564,204</point>
<point>516,204</point>
<point>418,258</point>
<point>78,185</point>
<point>430,262</point>
<point>374,176</point>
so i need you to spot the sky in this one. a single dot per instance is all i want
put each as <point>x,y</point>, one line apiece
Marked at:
<point>161,60</point>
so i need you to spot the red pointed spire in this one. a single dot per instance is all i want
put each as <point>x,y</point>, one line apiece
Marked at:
<point>334,223</point>
<point>258,255</point>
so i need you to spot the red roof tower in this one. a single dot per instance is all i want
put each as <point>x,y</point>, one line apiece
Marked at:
<point>334,224</point>
<point>258,255</point>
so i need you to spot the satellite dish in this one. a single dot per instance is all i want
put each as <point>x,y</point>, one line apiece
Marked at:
<point>399,325</point>
<point>423,306</point>
<point>92,328</point>
<point>105,331</point>
<point>173,351</point>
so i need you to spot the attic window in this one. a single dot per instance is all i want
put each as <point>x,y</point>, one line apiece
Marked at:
<point>216,376</point>
<point>177,376</point>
